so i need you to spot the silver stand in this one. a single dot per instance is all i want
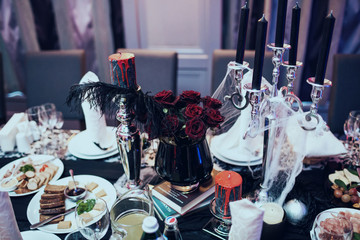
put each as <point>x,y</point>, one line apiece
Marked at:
<point>316,96</point>
<point>128,141</point>
<point>277,59</point>
<point>236,98</point>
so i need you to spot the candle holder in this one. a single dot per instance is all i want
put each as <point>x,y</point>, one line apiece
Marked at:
<point>228,188</point>
<point>239,101</point>
<point>288,91</point>
<point>277,60</point>
<point>127,134</point>
<point>290,76</point>
<point>255,97</point>
<point>316,96</point>
<point>128,140</point>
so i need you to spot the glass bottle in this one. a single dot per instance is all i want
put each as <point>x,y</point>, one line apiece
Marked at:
<point>171,231</point>
<point>151,229</point>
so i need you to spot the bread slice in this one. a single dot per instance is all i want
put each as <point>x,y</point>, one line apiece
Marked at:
<point>56,220</point>
<point>51,200</point>
<point>52,211</point>
<point>54,188</point>
<point>52,204</point>
<point>52,196</point>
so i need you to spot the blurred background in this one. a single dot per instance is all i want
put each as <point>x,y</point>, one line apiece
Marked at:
<point>192,28</point>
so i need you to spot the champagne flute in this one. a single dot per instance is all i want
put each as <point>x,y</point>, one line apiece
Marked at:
<point>97,220</point>
<point>33,114</point>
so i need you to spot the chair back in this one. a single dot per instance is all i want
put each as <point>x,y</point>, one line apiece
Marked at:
<point>155,70</point>
<point>2,94</point>
<point>221,57</point>
<point>344,91</point>
<point>49,76</point>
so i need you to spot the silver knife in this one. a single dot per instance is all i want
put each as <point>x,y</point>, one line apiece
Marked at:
<point>43,222</point>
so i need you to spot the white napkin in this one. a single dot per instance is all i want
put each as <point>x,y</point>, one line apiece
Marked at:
<point>9,131</point>
<point>246,220</point>
<point>95,122</point>
<point>319,142</point>
<point>9,229</point>
<point>231,145</point>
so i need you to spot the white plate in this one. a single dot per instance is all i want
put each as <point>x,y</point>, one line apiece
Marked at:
<point>336,210</point>
<point>31,235</point>
<point>235,162</point>
<point>34,205</point>
<point>83,147</point>
<point>87,157</point>
<point>35,158</point>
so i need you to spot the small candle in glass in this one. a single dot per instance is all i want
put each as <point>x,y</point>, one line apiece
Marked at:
<point>228,188</point>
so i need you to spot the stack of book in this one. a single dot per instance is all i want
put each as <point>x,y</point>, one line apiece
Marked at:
<point>170,202</point>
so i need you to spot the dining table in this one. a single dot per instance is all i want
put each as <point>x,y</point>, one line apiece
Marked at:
<point>311,187</point>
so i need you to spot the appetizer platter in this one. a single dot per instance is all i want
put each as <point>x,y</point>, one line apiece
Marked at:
<point>336,221</point>
<point>29,174</point>
<point>56,199</point>
<point>346,186</point>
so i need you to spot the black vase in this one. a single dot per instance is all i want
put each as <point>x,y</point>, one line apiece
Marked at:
<point>184,165</point>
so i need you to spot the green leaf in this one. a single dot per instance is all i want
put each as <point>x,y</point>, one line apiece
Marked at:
<point>356,236</point>
<point>341,184</point>
<point>353,171</point>
<point>354,185</point>
<point>85,206</point>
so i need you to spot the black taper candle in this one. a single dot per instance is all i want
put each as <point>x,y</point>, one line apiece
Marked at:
<point>280,23</point>
<point>259,52</point>
<point>328,28</point>
<point>244,18</point>
<point>294,35</point>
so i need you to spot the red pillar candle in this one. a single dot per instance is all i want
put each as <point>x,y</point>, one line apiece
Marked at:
<point>228,188</point>
<point>122,70</point>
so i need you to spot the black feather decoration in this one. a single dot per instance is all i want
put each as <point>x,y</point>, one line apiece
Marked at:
<point>148,112</point>
<point>102,95</point>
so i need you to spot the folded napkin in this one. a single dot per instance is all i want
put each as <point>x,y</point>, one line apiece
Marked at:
<point>9,131</point>
<point>246,220</point>
<point>94,120</point>
<point>9,229</point>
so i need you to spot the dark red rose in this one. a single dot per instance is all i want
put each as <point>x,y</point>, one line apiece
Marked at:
<point>195,128</point>
<point>166,98</point>
<point>170,124</point>
<point>188,97</point>
<point>193,110</point>
<point>212,117</point>
<point>211,102</point>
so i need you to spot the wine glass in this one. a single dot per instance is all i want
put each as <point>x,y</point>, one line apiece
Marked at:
<point>59,120</point>
<point>77,234</point>
<point>49,115</point>
<point>98,220</point>
<point>33,115</point>
<point>354,116</point>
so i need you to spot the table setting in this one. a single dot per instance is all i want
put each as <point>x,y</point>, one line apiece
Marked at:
<point>249,148</point>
